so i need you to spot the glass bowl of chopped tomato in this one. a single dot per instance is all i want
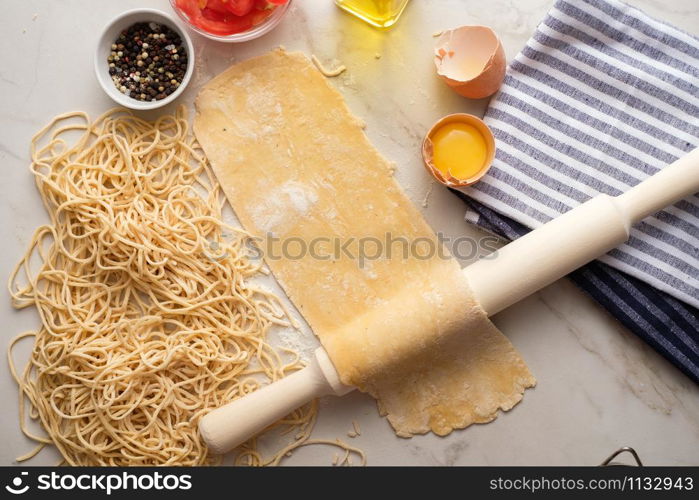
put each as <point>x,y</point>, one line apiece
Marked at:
<point>231,20</point>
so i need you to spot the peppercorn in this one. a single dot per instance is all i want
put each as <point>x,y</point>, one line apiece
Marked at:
<point>137,66</point>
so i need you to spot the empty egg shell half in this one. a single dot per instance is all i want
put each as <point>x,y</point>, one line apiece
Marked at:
<point>471,60</point>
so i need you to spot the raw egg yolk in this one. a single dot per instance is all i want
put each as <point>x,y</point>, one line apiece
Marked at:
<point>459,150</point>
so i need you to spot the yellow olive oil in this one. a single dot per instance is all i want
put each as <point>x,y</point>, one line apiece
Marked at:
<point>379,13</point>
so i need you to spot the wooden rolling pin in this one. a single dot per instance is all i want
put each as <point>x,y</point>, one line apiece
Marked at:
<point>519,269</point>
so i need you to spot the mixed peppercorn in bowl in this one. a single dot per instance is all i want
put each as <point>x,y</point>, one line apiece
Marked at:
<point>144,60</point>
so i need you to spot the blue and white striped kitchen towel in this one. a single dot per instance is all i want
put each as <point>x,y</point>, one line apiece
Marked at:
<point>601,97</point>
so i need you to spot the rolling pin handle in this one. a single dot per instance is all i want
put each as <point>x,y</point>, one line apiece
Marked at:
<point>231,425</point>
<point>547,253</point>
<point>330,373</point>
<point>573,239</point>
<point>674,182</point>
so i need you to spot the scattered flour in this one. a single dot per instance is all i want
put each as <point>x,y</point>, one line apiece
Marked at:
<point>302,342</point>
<point>283,206</point>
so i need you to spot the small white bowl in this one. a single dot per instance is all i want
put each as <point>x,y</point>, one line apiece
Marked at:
<point>256,31</point>
<point>111,33</point>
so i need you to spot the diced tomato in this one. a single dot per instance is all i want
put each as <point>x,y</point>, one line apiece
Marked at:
<point>277,2</point>
<point>240,7</point>
<point>217,5</point>
<point>214,15</point>
<point>189,7</point>
<point>228,25</point>
<point>226,17</point>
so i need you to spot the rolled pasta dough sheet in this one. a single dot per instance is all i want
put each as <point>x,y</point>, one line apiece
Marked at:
<point>297,168</point>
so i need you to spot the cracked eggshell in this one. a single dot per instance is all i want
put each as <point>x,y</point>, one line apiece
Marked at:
<point>471,60</point>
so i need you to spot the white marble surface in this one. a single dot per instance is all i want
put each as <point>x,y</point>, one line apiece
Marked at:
<point>599,386</point>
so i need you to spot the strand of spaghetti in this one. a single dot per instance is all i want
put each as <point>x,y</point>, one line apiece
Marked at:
<point>22,393</point>
<point>325,71</point>
<point>31,454</point>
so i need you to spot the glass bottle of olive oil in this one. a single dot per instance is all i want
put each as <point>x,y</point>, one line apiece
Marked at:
<point>379,13</point>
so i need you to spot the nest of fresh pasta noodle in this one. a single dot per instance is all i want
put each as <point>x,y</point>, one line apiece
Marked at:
<point>148,319</point>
